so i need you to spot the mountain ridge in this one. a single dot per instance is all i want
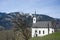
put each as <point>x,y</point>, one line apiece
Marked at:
<point>6,18</point>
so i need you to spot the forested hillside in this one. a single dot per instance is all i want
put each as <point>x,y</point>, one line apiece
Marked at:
<point>6,18</point>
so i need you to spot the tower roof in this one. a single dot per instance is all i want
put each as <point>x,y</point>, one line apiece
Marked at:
<point>35,14</point>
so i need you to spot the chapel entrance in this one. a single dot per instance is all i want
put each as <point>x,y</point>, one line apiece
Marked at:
<point>36,35</point>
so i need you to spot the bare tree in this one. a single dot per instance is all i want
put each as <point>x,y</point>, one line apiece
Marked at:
<point>20,23</point>
<point>54,24</point>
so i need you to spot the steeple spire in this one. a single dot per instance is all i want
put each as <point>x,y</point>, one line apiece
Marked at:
<point>34,18</point>
<point>35,14</point>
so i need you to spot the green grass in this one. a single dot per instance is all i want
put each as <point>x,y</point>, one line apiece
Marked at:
<point>54,36</point>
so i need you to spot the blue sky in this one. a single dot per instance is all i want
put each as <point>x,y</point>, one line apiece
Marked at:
<point>47,7</point>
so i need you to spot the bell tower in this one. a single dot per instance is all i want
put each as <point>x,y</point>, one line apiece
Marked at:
<point>34,18</point>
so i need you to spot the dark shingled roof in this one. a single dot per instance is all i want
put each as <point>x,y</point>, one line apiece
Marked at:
<point>42,24</point>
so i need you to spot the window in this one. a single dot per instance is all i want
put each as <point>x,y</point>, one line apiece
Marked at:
<point>52,31</point>
<point>43,31</point>
<point>35,31</point>
<point>34,19</point>
<point>36,35</point>
<point>39,32</point>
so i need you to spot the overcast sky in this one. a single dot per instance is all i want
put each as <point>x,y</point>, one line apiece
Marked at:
<point>47,7</point>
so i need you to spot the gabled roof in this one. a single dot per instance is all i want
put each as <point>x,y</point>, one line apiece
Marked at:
<point>42,24</point>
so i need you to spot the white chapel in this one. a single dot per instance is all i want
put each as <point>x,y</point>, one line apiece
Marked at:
<point>41,28</point>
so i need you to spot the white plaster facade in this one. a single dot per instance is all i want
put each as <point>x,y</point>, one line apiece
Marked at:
<point>41,28</point>
<point>41,31</point>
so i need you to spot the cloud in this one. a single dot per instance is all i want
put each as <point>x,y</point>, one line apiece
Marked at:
<point>47,7</point>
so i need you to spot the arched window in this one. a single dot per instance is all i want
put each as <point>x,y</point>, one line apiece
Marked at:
<point>52,31</point>
<point>34,19</point>
<point>35,31</point>
<point>43,32</point>
<point>39,32</point>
